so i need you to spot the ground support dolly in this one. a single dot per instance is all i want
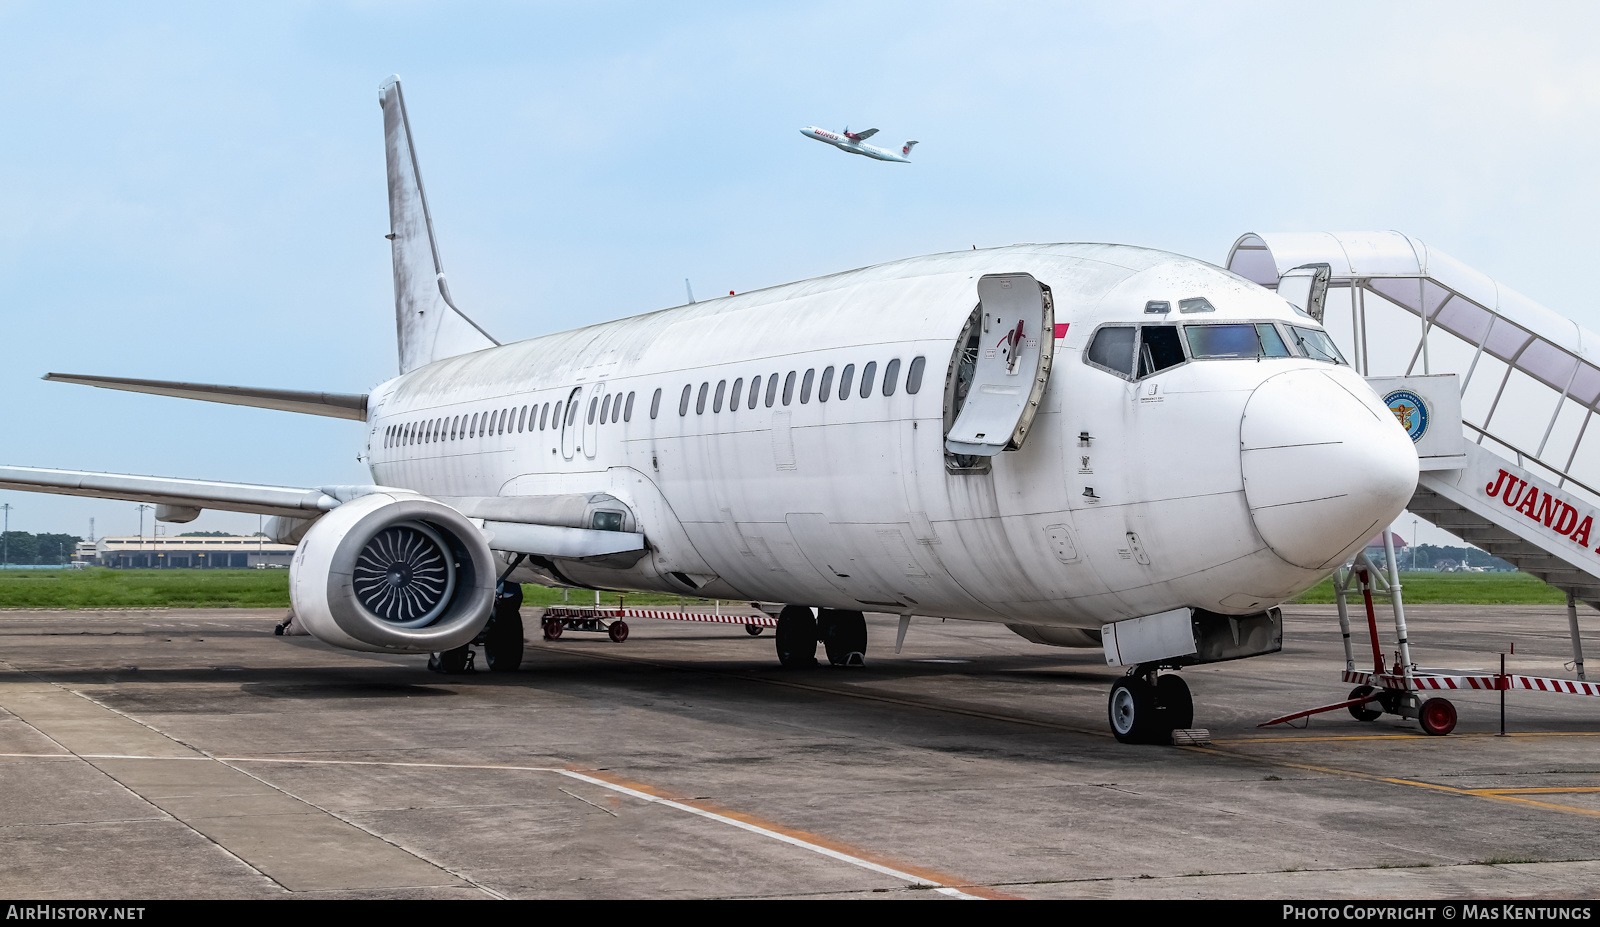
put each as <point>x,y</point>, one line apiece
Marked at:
<point>609,620</point>
<point>1399,688</point>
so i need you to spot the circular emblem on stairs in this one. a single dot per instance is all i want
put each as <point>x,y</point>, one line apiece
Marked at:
<point>1410,410</point>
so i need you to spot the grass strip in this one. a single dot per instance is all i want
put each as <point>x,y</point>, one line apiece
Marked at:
<point>101,587</point>
<point>1454,589</point>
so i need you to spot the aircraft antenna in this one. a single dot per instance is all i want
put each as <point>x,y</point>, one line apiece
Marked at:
<point>688,289</point>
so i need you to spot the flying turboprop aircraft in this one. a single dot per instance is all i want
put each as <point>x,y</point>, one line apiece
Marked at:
<point>853,142</point>
<point>1095,445</point>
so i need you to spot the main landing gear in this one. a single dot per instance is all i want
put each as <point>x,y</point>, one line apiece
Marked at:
<point>501,639</point>
<point>842,633</point>
<point>1145,707</point>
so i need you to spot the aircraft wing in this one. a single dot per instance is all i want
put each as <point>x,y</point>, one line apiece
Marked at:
<point>335,405</point>
<point>290,502</point>
<point>529,524</point>
<point>864,134</point>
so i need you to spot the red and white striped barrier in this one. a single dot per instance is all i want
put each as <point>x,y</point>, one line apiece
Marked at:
<point>1490,681</point>
<point>613,612</point>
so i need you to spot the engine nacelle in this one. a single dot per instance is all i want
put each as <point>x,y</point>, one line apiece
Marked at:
<point>393,573</point>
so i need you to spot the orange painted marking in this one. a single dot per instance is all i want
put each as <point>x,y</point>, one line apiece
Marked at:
<point>930,876</point>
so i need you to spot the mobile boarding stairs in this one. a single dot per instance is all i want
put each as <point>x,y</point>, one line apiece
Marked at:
<point>1445,346</point>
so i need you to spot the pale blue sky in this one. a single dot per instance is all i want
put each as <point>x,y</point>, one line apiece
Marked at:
<point>197,191</point>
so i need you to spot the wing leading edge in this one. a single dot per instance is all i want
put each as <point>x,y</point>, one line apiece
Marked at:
<point>185,498</point>
<point>286,501</point>
<point>334,405</point>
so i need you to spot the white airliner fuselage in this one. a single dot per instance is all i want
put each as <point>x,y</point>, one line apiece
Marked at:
<point>1060,438</point>
<point>1129,497</point>
<point>855,143</point>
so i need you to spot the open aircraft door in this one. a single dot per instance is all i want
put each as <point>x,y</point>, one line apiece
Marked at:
<point>1306,287</point>
<point>1002,366</point>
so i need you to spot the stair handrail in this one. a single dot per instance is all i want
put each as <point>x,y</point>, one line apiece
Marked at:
<point>1565,477</point>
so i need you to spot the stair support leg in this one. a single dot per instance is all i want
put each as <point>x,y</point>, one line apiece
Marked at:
<point>1364,577</point>
<point>1341,584</point>
<point>1577,640</point>
<point>1399,608</point>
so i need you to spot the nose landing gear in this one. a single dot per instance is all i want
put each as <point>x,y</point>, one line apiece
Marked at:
<point>1145,708</point>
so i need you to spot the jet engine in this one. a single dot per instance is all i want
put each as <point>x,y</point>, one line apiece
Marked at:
<point>393,573</point>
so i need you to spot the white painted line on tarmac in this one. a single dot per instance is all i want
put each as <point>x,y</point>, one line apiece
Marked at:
<point>774,834</point>
<point>769,832</point>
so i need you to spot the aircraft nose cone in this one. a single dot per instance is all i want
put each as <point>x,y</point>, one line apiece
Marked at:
<point>1326,466</point>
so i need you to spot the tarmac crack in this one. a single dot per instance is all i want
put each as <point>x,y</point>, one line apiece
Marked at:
<point>203,755</point>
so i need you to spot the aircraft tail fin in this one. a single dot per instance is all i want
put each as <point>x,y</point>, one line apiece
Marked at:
<point>429,325</point>
<point>906,151</point>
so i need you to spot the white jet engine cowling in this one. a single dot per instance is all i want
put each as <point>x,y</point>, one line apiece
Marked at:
<point>393,573</point>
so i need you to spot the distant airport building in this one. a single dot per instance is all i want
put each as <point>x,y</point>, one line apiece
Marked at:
<point>196,553</point>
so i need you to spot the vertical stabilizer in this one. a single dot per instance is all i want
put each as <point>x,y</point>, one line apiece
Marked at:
<point>429,325</point>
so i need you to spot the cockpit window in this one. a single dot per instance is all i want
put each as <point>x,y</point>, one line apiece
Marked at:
<point>1157,307</point>
<point>1112,348</point>
<point>1159,348</point>
<point>1197,304</point>
<point>1236,340</point>
<point>1136,352</point>
<point>1316,344</point>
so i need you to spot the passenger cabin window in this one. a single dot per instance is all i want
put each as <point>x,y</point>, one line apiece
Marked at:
<point>605,409</point>
<point>805,385</point>
<point>1316,345</point>
<point>627,412</point>
<point>1197,304</point>
<point>755,392</point>
<point>788,388</point>
<point>683,401</point>
<point>868,373</point>
<point>772,390</point>
<point>716,401</point>
<point>914,375</point>
<point>655,404</point>
<point>572,412</point>
<point>733,395</point>
<point>593,401</point>
<point>1235,340</point>
<point>472,430</point>
<point>826,386</point>
<point>700,401</point>
<point>891,373</point>
<point>846,377</point>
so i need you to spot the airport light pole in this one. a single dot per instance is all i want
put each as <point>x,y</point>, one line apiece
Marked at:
<point>142,507</point>
<point>5,539</point>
